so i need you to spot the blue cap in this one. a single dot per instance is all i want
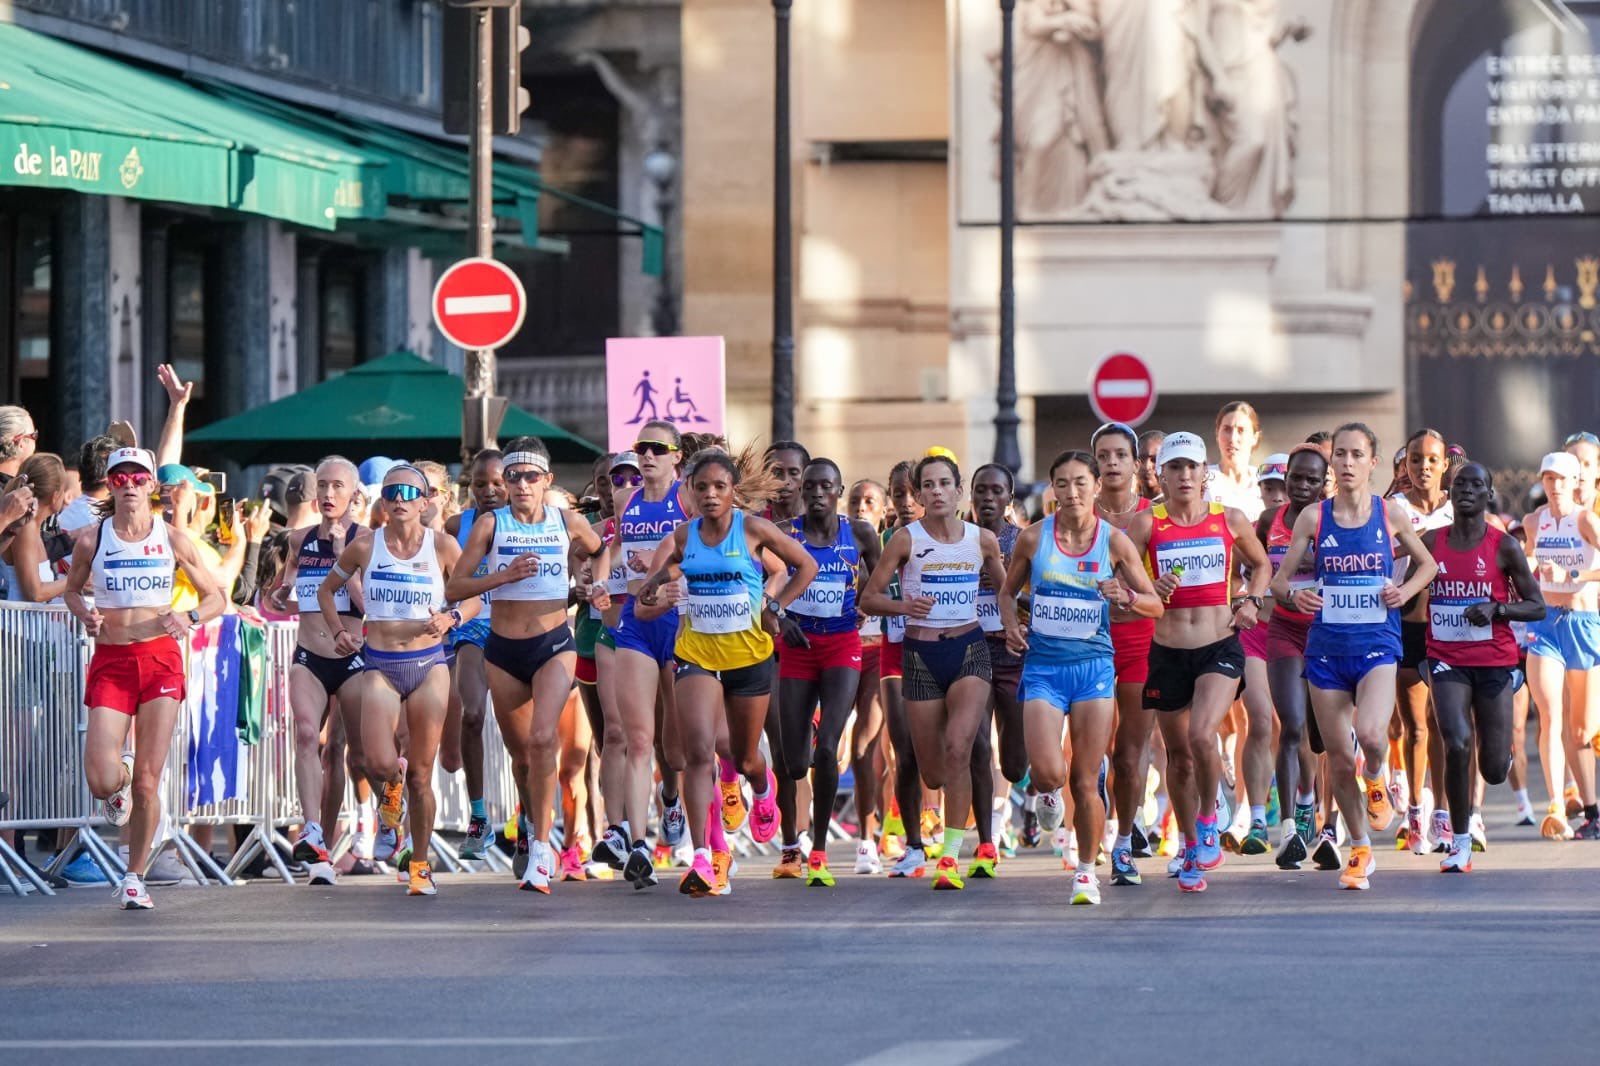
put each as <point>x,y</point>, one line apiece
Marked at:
<point>375,469</point>
<point>177,473</point>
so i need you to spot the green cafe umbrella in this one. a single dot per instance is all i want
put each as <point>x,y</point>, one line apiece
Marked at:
<point>397,405</point>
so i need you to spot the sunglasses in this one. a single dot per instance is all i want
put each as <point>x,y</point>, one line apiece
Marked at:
<point>517,477</point>
<point>122,481</point>
<point>33,436</point>
<point>623,481</point>
<point>402,493</point>
<point>654,447</point>
<point>1273,469</point>
<point>1584,437</point>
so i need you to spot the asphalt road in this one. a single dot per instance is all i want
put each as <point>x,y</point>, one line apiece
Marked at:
<point>1497,966</point>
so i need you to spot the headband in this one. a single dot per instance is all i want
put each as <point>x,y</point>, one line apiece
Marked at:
<point>427,486</point>
<point>534,459</point>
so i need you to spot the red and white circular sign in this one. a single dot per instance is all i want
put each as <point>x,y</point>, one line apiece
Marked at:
<point>1122,389</point>
<point>479,304</point>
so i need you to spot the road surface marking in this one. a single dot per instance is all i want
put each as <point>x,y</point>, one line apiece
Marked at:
<point>936,1052</point>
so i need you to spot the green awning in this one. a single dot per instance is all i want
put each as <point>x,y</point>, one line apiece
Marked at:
<point>71,118</point>
<point>397,405</point>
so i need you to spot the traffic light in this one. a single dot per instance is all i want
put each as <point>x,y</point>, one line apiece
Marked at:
<point>460,77</point>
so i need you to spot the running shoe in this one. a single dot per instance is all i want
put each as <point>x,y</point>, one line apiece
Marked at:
<point>1006,834</point>
<point>1123,869</point>
<point>421,881</point>
<point>308,849</point>
<point>571,866</point>
<point>1256,843</point>
<point>322,873</point>
<point>790,866</point>
<point>1191,875</point>
<point>1589,830</point>
<point>1326,854</point>
<point>536,878</point>
<point>1416,838</point>
<point>701,880</point>
<point>1060,837</point>
<point>1357,868</point>
<point>890,848</point>
<point>1457,861</point>
<point>1141,843</point>
<point>947,875</point>
<point>764,813</point>
<point>932,824</point>
<point>1380,812</point>
<point>817,871</point>
<point>1398,790</point>
<point>1052,810</point>
<point>84,871</point>
<point>1305,822</point>
<point>132,896</point>
<point>661,857</point>
<point>117,808</point>
<point>984,862</point>
<point>1442,833</point>
<point>893,824</point>
<point>722,867</point>
<point>1555,825</point>
<point>612,849</point>
<point>1274,809</point>
<point>1175,866</point>
<point>392,809</point>
<point>1100,783</point>
<point>1291,853</point>
<point>1031,834</point>
<point>734,810</point>
<point>519,856</point>
<point>402,862</point>
<point>480,838</point>
<point>1085,890</point>
<point>674,822</point>
<point>639,871</point>
<point>1475,830</point>
<point>914,863</point>
<point>1573,800</point>
<point>683,854</point>
<point>867,861</point>
<point>360,867</point>
<point>1208,850</point>
<point>1525,812</point>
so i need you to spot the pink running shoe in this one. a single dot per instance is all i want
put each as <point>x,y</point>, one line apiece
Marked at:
<point>764,812</point>
<point>572,865</point>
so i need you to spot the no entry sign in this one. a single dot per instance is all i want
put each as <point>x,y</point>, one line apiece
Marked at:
<point>479,304</point>
<point>1122,389</point>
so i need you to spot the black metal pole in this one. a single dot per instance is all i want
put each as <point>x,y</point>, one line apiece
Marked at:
<point>664,319</point>
<point>1007,449</point>
<point>782,254</point>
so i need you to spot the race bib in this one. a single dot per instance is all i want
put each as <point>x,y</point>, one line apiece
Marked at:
<point>1204,560</point>
<point>718,613</point>
<point>894,628</point>
<point>1065,617</point>
<point>989,611</point>
<point>1447,621</point>
<point>955,596</point>
<point>617,581</point>
<point>822,598</point>
<point>1353,601</point>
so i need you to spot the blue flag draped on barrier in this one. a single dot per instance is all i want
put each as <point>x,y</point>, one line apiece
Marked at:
<point>215,759</point>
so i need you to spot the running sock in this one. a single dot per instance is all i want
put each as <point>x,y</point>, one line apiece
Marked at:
<point>1258,813</point>
<point>1208,821</point>
<point>1520,795</point>
<point>1085,869</point>
<point>1124,842</point>
<point>1030,802</point>
<point>1373,782</point>
<point>726,771</point>
<point>1362,842</point>
<point>702,853</point>
<point>478,809</point>
<point>952,841</point>
<point>1304,799</point>
<point>791,845</point>
<point>766,786</point>
<point>622,827</point>
<point>714,834</point>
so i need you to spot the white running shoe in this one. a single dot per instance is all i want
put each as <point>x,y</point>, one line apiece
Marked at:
<point>1059,839</point>
<point>1175,866</point>
<point>541,867</point>
<point>1440,831</point>
<point>1525,812</point>
<point>131,894</point>
<point>1480,839</point>
<point>867,861</point>
<point>1458,860</point>
<point>118,807</point>
<point>1085,890</point>
<point>914,863</point>
<point>1069,857</point>
<point>1051,810</point>
<point>322,873</point>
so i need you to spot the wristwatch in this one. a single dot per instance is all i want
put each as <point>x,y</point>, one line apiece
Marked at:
<point>1498,612</point>
<point>455,613</point>
<point>194,617</point>
<point>776,608</point>
<point>1242,600</point>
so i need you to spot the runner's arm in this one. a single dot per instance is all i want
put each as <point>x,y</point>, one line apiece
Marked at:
<point>1530,606</point>
<point>1017,578</point>
<point>1423,568</point>
<point>870,548</point>
<point>1129,567</point>
<point>464,584</point>
<point>353,559</point>
<point>875,599</point>
<point>788,551</point>
<point>1306,601</point>
<point>664,569</point>
<point>78,575</point>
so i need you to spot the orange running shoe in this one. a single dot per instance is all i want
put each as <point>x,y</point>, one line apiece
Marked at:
<point>1380,812</point>
<point>722,866</point>
<point>789,866</point>
<point>392,807</point>
<point>421,880</point>
<point>734,809</point>
<point>1357,867</point>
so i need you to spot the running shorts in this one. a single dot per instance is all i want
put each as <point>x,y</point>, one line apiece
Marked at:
<point>123,676</point>
<point>1572,638</point>
<point>524,658</point>
<point>588,673</point>
<point>331,672</point>
<point>1413,644</point>
<point>1485,681</point>
<point>655,638</point>
<point>1062,685</point>
<point>1173,671</point>
<point>891,664</point>
<point>871,660</point>
<point>1254,641</point>
<point>754,680</point>
<point>1286,637</point>
<point>1342,673</point>
<point>828,651</point>
<point>474,631</point>
<point>1005,669</point>
<point>932,666</point>
<point>405,670</point>
<point>1130,646</point>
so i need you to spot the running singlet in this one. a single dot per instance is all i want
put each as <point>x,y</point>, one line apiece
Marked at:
<point>989,599</point>
<point>1559,541</point>
<point>1246,498</point>
<point>1353,565</point>
<point>1204,550</point>
<point>828,605</point>
<point>463,531</point>
<point>894,625</point>
<point>1278,537</point>
<point>1420,524</point>
<point>721,628</point>
<point>137,574</point>
<point>1071,620</point>
<point>1465,578</point>
<point>644,524</point>
<point>316,558</point>
<point>946,573</point>
<point>403,590</point>
<point>548,540</point>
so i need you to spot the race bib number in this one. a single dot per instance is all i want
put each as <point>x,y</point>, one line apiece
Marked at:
<point>822,599</point>
<point>617,581</point>
<point>1353,601</point>
<point>894,628</point>
<point>1065,617</point>
<point>1447,621</point>
<point>715,613</point>
<point>1204,561</point>
<point>989,611</point>
<point>955,596</point>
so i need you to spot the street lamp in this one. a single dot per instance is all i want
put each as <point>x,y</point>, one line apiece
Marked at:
<point>661,166</point>
<point>782,270</point>
<point>1007,450</point>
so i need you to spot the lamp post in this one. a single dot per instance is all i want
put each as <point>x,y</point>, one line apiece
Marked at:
<point>660,166</point>
<point>782,254</point>
<point>1007,450</point>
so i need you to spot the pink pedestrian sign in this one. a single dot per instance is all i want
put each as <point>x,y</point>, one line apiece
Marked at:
<point>680,380</point>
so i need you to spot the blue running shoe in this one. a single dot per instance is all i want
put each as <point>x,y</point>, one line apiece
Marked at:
<point>674,822</point>
<point>1191,878</point>
<point>84,871</point>
<point>1208,852</point>
<point>480,838</point>
<point>1123,870</point>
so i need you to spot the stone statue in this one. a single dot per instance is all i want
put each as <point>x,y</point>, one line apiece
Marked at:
<point>1255,163</point>
<point>1061,121</point>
